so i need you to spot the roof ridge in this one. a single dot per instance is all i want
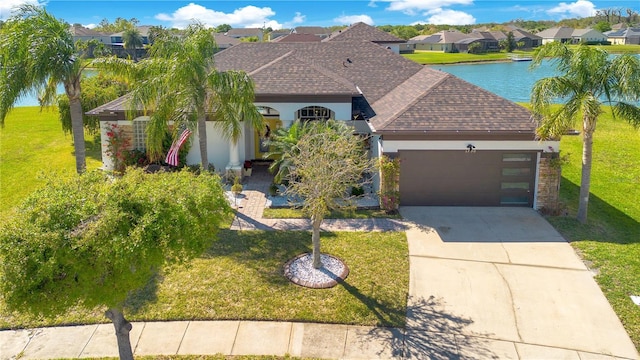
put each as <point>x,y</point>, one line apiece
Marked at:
<point>411,81</point>
<point>287,54</point>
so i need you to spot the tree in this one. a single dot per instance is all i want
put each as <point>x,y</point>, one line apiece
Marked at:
<point>112,238</point>
<point>284,144</point>
<point>327,161</point>
<point>589,77</point>
<point>37,52</point>
<point>178,82</point>
<point>132,41</point>
<point>96,90</point>
<point>602,26</point>
<point>474,48</point>
<point>508,43</point>
<point>223,28</point>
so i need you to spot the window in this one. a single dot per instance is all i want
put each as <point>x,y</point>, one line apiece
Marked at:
<point>516,157</point>
<point>310,113</point>
<point>516,171</point>
<point>514,185</point>
<point>140,133</point>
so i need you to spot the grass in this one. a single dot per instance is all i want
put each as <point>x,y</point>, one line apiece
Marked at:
<point>241,277</point>
<point>434,57</point>
<point>32,142</point>
<point>610,241</point>
<point>288,213</point>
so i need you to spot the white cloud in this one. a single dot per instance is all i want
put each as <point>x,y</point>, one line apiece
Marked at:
<point>90,26</point>
<point>352,19</point>
<point>580,8</point>
<point>412,7</point>
<point>248,16</point>
<point>8,6</point>
<point>297,19</point>
<point>372,4</point>
<point>449,17</point>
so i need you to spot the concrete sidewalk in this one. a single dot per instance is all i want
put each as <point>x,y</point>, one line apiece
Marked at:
<point>207,338</point>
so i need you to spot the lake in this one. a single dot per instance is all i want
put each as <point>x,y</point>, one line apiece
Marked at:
<point>512,80</point>
<point>31,99</point>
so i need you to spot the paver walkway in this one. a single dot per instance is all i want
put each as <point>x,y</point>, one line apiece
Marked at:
<point>485,283</point>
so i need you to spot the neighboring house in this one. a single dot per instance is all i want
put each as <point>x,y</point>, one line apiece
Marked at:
<point>624,36</point>
<point>528,39</point>
<point>278,33</point>
<point>293,37</point>
<point>224,42</point>
<point>320,31</point>
<point>81,33</point>
<point>561,34</point>
<point>361,31</point>
<point>246,33</point>
<point>458,144</point>
<point>117,43</point>
<point>444,41</point>
<point>589,36</point>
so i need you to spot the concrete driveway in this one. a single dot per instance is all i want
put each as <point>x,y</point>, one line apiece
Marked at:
<point>502,283</point>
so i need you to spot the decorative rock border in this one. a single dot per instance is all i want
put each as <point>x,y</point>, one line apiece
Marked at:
<point>300,271</point>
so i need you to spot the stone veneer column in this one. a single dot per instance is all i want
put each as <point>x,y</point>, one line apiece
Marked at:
<point>549,177</point>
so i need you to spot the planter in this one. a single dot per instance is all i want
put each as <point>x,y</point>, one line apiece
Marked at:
<point>246,172</point>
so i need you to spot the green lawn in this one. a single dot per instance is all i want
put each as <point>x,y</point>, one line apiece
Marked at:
<point>32,142</point>
<point>610,241</point>
<point>241,277</point>
<point>434,57</point>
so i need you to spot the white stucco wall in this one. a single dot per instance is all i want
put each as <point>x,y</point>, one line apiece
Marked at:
<point>218,148</point>
<point>288,110</point>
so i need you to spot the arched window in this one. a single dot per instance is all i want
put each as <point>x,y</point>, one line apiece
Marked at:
<point>310,113</point>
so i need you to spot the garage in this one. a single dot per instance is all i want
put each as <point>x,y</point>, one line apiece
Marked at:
<point>461,178</point>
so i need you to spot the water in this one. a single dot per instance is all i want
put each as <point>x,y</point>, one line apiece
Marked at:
<point>31,99</point>
<point>512,80</point>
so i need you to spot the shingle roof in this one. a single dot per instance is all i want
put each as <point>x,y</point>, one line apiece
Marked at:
<point>373,69</point>
<point>436,101</point>
<point>224,41</point>
<point>243,32</point>
<point>362,31</point>
<point>316,30</point>
<point>298,38</point>
<point>556,33</point>
<point>83,31</point>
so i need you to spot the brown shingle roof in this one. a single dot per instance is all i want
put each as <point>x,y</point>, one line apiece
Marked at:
<point>435,101</point>
<point>298,38</point>
<point>362,31</point>
<point>373,69</point>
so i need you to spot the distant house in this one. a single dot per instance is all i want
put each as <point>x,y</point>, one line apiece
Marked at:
<point>445,41</point>
<point>624,36</point>
<point>117,42</point>
<point>246,33</point>
<point>224,42</point>
<point>278,33</point>
<point>589,36</point>
<point>298,38</point>
<point>319,31</point>
<point>528,39</point>
<point>561,34</point>
<point>361,31</point>
<point>81,33</point>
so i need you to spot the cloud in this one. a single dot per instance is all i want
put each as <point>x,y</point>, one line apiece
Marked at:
<point>8,6</point>
<point>248,16</point>
<point>297,19</point>
<point>90,26</point>
<point>412,7</point>
<point>372,4</point>
<point>448,17</point>
<point>580,8</point>
<point>352,19</point>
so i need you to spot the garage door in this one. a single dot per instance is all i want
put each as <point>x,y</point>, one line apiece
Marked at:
<point>458,178</point>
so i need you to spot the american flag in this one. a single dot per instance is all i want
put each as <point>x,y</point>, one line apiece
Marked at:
<point>172,155</point>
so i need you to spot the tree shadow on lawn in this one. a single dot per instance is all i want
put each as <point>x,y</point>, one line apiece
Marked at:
<point>432,333</point>
<point>605,223</point>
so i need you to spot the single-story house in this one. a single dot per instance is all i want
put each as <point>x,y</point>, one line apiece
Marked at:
<point>562,34</point>
<point>294,37</point>
<point>223,41</point>
<point>363,32</point>
<point>444,41</point>
<point>624,36</point>
<point>320,31</point>
<point>588,36</point>
<point>458,144</point>
<point>241,33</point>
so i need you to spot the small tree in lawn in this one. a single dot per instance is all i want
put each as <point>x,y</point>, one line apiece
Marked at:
<point>328,160</point>
<point>89,241</point>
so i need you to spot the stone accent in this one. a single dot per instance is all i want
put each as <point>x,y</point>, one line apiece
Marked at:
<point>549,177</point>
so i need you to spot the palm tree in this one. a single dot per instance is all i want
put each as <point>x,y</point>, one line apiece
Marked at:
<point>589,77</point>
<point>283,143</point>
<point>37,53</point>
<point>179,82</point>
<point>131,41</point>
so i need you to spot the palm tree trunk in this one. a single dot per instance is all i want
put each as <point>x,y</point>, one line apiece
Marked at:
<point>123,327</point>
<point>585,180</point>
<point>77,124</point>
<point>315,239</point>
<point>202,140</point>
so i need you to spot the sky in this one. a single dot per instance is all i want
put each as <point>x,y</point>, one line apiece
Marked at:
<point>279,14</point>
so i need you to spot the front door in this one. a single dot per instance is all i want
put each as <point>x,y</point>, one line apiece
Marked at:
<point>260,137</point>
